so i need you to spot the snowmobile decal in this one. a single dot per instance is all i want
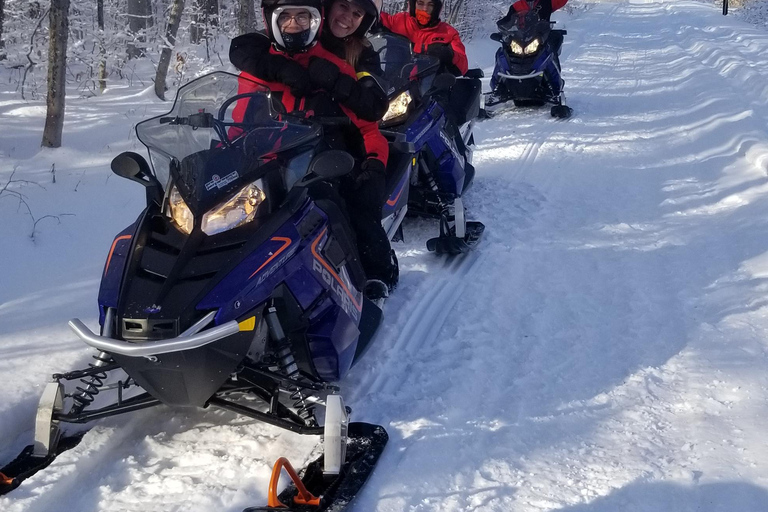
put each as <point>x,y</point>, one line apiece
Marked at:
<point>112,250</point>
<point>286,243</point>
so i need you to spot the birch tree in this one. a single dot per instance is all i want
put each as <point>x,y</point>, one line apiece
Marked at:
<point>57,68</point>
<point>168,44</point>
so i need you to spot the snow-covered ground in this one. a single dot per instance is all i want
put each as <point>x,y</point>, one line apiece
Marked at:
<point>604,348</point>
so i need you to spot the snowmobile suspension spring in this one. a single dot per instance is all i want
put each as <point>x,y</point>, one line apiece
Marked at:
<point>303,408</point>
<point>288,365</point>
<point>86,394</point>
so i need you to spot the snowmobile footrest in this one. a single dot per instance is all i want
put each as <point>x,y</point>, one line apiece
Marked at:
<point>26,465</point>
<point>365,443</point>
<point>454,244</point>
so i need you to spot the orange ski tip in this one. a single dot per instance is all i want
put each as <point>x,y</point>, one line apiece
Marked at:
<point>303,498</point>
<point>6,480</point>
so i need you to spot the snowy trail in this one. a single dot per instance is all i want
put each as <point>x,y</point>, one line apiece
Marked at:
<point>603,348</point>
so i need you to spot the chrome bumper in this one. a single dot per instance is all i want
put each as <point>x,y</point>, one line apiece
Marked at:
<point>153,348</point>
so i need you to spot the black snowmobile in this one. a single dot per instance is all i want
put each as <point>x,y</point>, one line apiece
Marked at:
<point>238,287</point>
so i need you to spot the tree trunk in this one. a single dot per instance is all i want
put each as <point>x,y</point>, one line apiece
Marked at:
<point>170,41</point>
<point>246,17</point>
<point>205,14</point>
<point>57,68</point>
<point>102,50</point>
<point>139,19</point>
<point>2,18</point>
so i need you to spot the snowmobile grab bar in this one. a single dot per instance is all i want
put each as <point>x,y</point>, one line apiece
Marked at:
<point>152,348</point>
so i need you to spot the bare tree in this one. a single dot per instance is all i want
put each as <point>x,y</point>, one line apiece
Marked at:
<point>246,16</point>
<point>139,19</point>
<point>204,15</point>
<point>102,75</point>
<point>57,68</point>
<point>2,41</point>
<point>170,41</point>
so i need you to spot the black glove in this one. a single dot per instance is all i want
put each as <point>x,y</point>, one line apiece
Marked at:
<point>370,183</point>
<point>295,76</point>
<point>323,73</point>
<point>442,51</point>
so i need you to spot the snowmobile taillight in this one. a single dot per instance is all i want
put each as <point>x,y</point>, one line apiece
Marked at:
<point>6,480</point>
<point>304,497</point>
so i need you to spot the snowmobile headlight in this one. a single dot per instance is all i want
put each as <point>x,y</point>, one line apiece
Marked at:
<point>532,47</point>
<point>515,47</point>
<point>239,210</point>
<point>398,106</point>
<point>180,212</point>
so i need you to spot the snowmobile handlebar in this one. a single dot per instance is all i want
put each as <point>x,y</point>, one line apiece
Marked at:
<point>153,348</point>
<point>199,120</point>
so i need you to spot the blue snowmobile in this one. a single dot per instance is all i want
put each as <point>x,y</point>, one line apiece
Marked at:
<point>527,69</point>
<point>435,113</point>
<point>238,287</point>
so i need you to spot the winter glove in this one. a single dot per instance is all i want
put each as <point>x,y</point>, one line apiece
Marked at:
<point>326,75</point>
<point>444,52</point>
<point>370,183</point>
<point>323,73</point>
<point>295,76</point>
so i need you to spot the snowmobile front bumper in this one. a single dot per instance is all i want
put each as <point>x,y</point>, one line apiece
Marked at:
<point>522,77</point>
<point>187,341</point>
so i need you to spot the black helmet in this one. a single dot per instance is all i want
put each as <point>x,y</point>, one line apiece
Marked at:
<point>372,10</point>
<point>435,18</point>
<point>271,10</point>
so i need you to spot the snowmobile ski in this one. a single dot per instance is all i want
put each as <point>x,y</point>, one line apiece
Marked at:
<point>317,491</point>
<point>27,464</point>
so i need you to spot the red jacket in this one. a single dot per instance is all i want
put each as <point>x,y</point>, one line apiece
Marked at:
<point>404,24</point>
<point>546,7</point>
<point>374,142</point>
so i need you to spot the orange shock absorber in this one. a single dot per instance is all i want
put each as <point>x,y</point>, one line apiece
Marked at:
<point>304,497</point>
<point>6,480</point>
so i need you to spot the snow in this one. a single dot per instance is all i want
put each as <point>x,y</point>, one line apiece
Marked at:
<point>603,349</point>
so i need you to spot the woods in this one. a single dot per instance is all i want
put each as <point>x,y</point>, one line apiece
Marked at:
<point>54,48</point>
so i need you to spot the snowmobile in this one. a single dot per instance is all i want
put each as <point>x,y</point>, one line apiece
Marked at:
<point>434,112</point>
<point>238,287</point>
<point>527,69</point>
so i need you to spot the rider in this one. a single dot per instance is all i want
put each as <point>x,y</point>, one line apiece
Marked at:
<point>544,8</point>
<point>422,25</point>
<point>347,22</point>
<point>279,61</point>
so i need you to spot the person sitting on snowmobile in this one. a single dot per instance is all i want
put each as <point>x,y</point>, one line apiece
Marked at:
<point>544,8</point>
<point>280,61</point>
<point>422,25</point>
<point>363,94</point>
<point>347,23</point>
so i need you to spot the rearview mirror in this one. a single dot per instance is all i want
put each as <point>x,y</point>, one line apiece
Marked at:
<point>474,73</point>
<point>132,166</point>
<point>496,36</point>
<point>332,164</point>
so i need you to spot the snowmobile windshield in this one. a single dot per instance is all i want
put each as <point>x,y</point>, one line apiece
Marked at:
<point>526,27</point>
<point>220,113</point>
<point>399,64</point>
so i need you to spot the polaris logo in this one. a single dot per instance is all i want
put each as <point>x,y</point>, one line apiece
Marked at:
<point>338,290</point>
